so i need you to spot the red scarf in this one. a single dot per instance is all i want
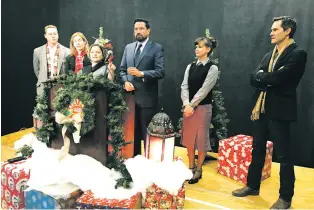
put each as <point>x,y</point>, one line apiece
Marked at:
<point>79,61</point>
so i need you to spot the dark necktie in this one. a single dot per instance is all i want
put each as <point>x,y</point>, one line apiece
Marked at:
<point>137,54</point>
<point>200,64</point>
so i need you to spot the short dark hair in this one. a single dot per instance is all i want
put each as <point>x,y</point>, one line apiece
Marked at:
<point>142,20</point>
<point>210,42</point>
<point>287,22</point>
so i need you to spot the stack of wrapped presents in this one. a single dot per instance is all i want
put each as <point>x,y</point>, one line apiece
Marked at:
<point>15,194</point>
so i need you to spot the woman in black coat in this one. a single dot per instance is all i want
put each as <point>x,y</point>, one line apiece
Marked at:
<point>78,57</point>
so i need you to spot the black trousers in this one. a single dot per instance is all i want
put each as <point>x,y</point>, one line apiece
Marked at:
<point>279,133</point>
<point>143,116</point>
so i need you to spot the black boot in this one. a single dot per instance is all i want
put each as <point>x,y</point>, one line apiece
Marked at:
<point>281,204</point>
<point>197,175</point>
<point>245,191</point>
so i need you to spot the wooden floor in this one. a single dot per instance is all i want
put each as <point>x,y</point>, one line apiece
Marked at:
<point>214,190</point>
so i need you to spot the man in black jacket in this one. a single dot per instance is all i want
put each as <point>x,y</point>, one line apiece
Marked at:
<point>275,107</point>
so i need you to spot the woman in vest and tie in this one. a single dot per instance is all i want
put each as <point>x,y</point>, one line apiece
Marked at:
<point>196,94</point>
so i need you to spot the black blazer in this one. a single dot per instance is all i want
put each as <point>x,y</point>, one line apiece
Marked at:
<point>70,63</point>
<point>281,84</point>
<point>151,62</point>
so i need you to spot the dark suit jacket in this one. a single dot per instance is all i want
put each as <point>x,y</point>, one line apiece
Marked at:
<point>281,84</point>
<point>70,63</point>
<point>151,62</point>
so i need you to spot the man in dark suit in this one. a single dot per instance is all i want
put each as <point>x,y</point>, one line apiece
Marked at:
<point>275,107</point>
<point>141,67</point>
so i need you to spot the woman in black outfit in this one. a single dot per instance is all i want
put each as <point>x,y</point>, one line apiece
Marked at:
<point>78,57</point>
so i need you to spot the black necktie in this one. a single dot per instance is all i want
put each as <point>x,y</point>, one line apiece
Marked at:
<point>137,54</point>
<point>200,64</point>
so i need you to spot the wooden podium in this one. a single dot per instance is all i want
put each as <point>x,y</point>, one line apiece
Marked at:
<point>129,125</point>
<point>95,143</point>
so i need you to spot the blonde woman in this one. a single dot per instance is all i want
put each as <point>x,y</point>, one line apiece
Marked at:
<point>78,57</point>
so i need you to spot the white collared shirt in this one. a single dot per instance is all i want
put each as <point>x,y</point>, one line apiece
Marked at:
<point>143,44</point>
<point>204,62</point>
<point>52,52</point>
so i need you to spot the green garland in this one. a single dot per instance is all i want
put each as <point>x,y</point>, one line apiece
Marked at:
<point>46,132</point>
<point>80,86</point>
<point>117,107</point>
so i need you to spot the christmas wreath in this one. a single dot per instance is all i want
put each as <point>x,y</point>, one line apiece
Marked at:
<point>75,107</point>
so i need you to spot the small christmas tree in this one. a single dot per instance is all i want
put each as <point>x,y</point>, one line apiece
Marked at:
<point>219,118</point>
<point>219,121</point>
<point>106,43</point>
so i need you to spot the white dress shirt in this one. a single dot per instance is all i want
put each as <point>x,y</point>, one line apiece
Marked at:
<point>52,52</point>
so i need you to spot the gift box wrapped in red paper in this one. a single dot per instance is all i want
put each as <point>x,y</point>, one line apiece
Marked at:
<point>13,182</point>
<point>157,198</point>
<point>235,156</point>
<point>89,201</point>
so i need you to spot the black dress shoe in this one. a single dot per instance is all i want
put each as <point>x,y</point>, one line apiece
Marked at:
<point>197,175</point>
<point>245,191</point>
<point>281,204</point>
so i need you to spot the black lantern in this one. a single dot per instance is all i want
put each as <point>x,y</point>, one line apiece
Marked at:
<point>160,138</point>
